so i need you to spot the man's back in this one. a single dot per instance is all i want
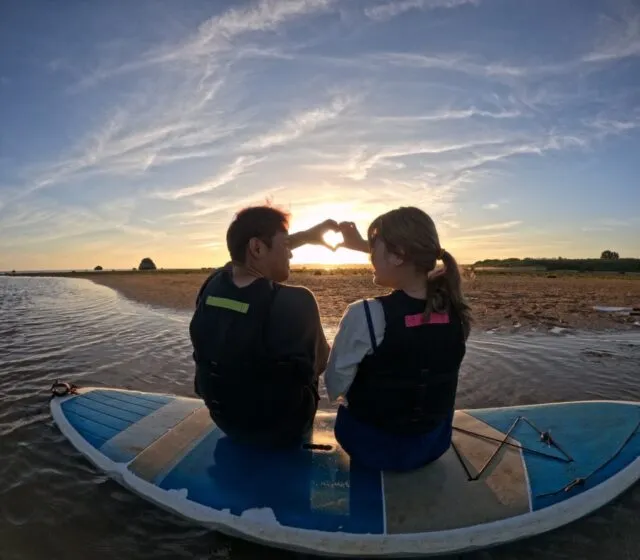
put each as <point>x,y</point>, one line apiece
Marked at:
<point>261,401</point>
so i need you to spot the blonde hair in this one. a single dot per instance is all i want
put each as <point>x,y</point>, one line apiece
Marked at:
<point>411,234</point>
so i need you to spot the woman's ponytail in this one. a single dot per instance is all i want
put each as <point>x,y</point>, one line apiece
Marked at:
<point>450,280</point>
<point>453,279</point>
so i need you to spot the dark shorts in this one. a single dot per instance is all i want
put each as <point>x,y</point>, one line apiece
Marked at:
<point>375,449</point>
<point>287,430</point>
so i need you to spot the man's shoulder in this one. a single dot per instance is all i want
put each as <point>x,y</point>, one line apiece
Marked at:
<point>294,295</point>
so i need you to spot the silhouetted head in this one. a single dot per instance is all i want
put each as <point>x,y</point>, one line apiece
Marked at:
<point>404,244</point>
<point>258,240</point>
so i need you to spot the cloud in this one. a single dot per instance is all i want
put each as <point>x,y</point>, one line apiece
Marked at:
<point>239,166</point>
<point>364,158</point>
<point>491,206</point>
<point>223,204</point>
<point>498,226</point>
<point>608,224</point>
<point>299,124</point>
<point>620,39</point>
<point>392,9</point>
<point>215,36</point>
<point>38,225</point>
<point>447,115</point>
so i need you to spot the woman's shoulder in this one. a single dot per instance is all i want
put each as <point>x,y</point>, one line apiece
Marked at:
<point>358,306</point>
<point>355,316</point>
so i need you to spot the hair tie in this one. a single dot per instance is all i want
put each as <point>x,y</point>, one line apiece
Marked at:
<point>441,254</point>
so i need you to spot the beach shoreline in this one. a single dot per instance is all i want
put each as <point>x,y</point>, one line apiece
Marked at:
<point>503,302</point>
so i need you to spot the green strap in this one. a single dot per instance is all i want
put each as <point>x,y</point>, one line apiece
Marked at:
<point>227,303</point>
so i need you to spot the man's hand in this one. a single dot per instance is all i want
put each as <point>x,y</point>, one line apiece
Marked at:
<point>352,238</point>
<point>314,235</point>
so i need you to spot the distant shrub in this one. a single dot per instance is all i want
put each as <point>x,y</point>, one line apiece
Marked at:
<point>147,264</point>
<point>576,265</point>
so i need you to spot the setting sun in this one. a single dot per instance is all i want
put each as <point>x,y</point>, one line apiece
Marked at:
<point>309,216</point>
<point>316,254</point>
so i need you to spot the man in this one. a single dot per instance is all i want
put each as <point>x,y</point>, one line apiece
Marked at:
<point>258,345</point>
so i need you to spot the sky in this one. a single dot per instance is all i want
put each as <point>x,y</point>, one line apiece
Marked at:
<point>138,129</point>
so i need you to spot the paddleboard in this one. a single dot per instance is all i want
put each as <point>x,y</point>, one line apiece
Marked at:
<point>511,473</point>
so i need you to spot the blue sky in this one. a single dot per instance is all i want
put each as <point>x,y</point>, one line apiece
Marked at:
<point>133,129</point>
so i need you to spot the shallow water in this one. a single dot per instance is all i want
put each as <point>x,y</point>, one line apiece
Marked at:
<point>54,504</point>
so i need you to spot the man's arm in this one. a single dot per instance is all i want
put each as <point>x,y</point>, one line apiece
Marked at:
<point>313,236</point>
<point>296,329</point>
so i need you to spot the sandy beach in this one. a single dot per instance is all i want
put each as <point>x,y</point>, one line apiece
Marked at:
<point>510,302</point>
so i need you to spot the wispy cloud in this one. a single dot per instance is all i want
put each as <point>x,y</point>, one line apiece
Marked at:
<point>299,124</point>
<point>35,226</point>
<point>499,226</point>
<point>620,37</point>
<point>448,115</point>
<point>222,204</point>
<point>491,206</point>
<point>392,9</point>
<point>608,224</point>
<point>216,36</point>
<point>239,166</point>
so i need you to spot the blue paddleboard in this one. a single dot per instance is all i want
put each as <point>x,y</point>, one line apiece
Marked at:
<point>511,473</point>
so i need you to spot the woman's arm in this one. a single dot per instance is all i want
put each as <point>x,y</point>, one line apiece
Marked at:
<point>351,344</point>
<point>352,238</point>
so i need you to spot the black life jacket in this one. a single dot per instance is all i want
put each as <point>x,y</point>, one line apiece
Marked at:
<point>408,384</point>
<point>243,386</point>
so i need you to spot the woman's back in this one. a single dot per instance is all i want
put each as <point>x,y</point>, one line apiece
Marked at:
<point>399,377</point>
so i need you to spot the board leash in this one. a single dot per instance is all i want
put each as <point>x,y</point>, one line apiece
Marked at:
<point>62,389</point>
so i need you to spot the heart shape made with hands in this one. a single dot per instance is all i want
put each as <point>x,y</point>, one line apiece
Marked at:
<point>333,239</point>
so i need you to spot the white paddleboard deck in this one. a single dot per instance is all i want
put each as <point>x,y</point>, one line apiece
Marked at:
<point>479,494</point>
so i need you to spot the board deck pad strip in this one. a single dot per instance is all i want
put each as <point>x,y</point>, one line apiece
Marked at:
<point>141,408</point>
<point>304,488</point>
<point>440,496</point>
<point>129,443</point>
<point>96,407</point>
<point>146,400</point>
<point>94,433</point>
<point>166,450</point>
<point>591,433</point>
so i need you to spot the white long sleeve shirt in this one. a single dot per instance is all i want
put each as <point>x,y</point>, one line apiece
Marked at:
<point>351,344</point>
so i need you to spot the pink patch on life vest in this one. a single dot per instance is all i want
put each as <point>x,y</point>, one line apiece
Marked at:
<point>418,319</point>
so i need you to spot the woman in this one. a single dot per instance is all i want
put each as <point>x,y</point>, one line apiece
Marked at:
<point>395,358</point>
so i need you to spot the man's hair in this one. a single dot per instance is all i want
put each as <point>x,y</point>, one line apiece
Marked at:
<point>262,222</point>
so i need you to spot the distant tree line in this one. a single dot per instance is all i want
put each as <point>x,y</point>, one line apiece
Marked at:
<point>609,261</point>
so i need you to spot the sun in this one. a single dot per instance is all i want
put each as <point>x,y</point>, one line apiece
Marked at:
<point>316,254</point>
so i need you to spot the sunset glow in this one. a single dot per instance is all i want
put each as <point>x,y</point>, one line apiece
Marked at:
<point>131,130</point>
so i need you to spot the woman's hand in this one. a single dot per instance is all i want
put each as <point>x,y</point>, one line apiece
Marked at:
<point>352,238</point>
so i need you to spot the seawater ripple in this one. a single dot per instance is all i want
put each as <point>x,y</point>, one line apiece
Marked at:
<point>54,504</point>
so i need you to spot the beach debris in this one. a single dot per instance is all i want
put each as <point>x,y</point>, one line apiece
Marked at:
<point>617,310</point>
<point>558,330</point>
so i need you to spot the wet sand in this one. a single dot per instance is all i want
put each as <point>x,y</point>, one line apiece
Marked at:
<point>502,301</point>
